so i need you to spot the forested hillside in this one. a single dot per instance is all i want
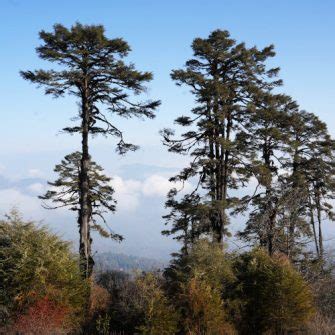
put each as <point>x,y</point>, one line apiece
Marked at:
<point>127,263</point>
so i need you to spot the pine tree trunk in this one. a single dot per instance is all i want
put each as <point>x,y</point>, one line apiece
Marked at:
<point>219,222</point>
<point>225,155</point>
<point>293,214</point>
<point>270,234</point>
<point>318,208</point>
<point>313,226</point>
<point>212,185</point>
<point>270,229</point>
<point>271,207</point>
<point>86,260</point>
<point>291,241</point>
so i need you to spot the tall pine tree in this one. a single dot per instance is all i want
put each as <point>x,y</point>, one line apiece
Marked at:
<point>264,137</point>
<point>224,77</point>
<point>90,67</point>
<point>312,167</point>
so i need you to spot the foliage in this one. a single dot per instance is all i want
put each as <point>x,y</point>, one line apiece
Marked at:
<point>138,304</point>
<point>91,67</point>
<point>205,310</point>
<point>36,264</point>
<point>211,275</point>
<point>43,317</point>
<point>274,297</point>
<point>320,324</point>
<point>198,283</point>
<point>91,63</point>
<point>321,277</point>
<point>212,263</point>
<point>238,132</point>
<point>125,310</point>
<point>65,192</point>
<point>220,292</point>
<point>160,317</point>
<point>99,299</point>
<point>103,324</point>
<point>225,78</point>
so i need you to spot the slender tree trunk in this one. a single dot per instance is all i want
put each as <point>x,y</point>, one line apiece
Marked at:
<point>291,233</point>
<point>271,232</point>
<point>187,239</point>
<point>212,185</point>
<point>318,208</point>
<point>271,207</point>
<point>271,223</point>
<point>293,214</point>
<point>311,214</point>
<point>218,161</point>
<point>86,260</point>
<point>224,185</point>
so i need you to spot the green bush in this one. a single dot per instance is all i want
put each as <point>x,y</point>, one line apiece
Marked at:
<point>160,317</point>
<point>211,263</point>
<point>138,304</point>
<point>34,264</point>
<point>125,310</point>
<point>205,310</point>
<point>273,296</point>
<point>226,293</point>
<point>205,273</point>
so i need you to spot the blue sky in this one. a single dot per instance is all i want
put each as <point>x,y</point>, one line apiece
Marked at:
<point>160,34</point>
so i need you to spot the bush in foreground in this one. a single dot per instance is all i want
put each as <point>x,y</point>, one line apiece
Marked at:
<point>273,296</point>
<point>39,276</point>
<point>227,293</point>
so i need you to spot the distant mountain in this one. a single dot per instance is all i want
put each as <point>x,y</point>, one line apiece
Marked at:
<point>127,263</point>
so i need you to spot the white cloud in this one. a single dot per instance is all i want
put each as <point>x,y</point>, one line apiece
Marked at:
<point>10,197</point>
<point>129,192</point>
<point>35,173</point>
<point>36,188</point>
<point>157,185</point>
<point>126,193</point>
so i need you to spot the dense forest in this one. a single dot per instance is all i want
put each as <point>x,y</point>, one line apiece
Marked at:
<point>252,153</point>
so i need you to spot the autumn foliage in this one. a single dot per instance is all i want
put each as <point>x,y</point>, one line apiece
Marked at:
<point>43,317</point>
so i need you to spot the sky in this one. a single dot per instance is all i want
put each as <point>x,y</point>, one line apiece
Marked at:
<point>160,34</point>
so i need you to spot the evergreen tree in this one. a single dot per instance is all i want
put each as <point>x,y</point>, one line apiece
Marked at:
<point>188,219</point>
<point>224,77</point>
<point>273,197</point>
<point>312,167</point>
<point>91,68</point>
<point>65,192</point>
<point>292,156</point>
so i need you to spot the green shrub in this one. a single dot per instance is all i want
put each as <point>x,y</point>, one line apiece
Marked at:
<point>138,304</point>
<point>125,308</point>
<point>34,264</point>
<point>274,297</point>
<point>202,296</point>
<point>251,293</point>
<point>211,263</point>
<point>160,318</point>
<point>205,310</point>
